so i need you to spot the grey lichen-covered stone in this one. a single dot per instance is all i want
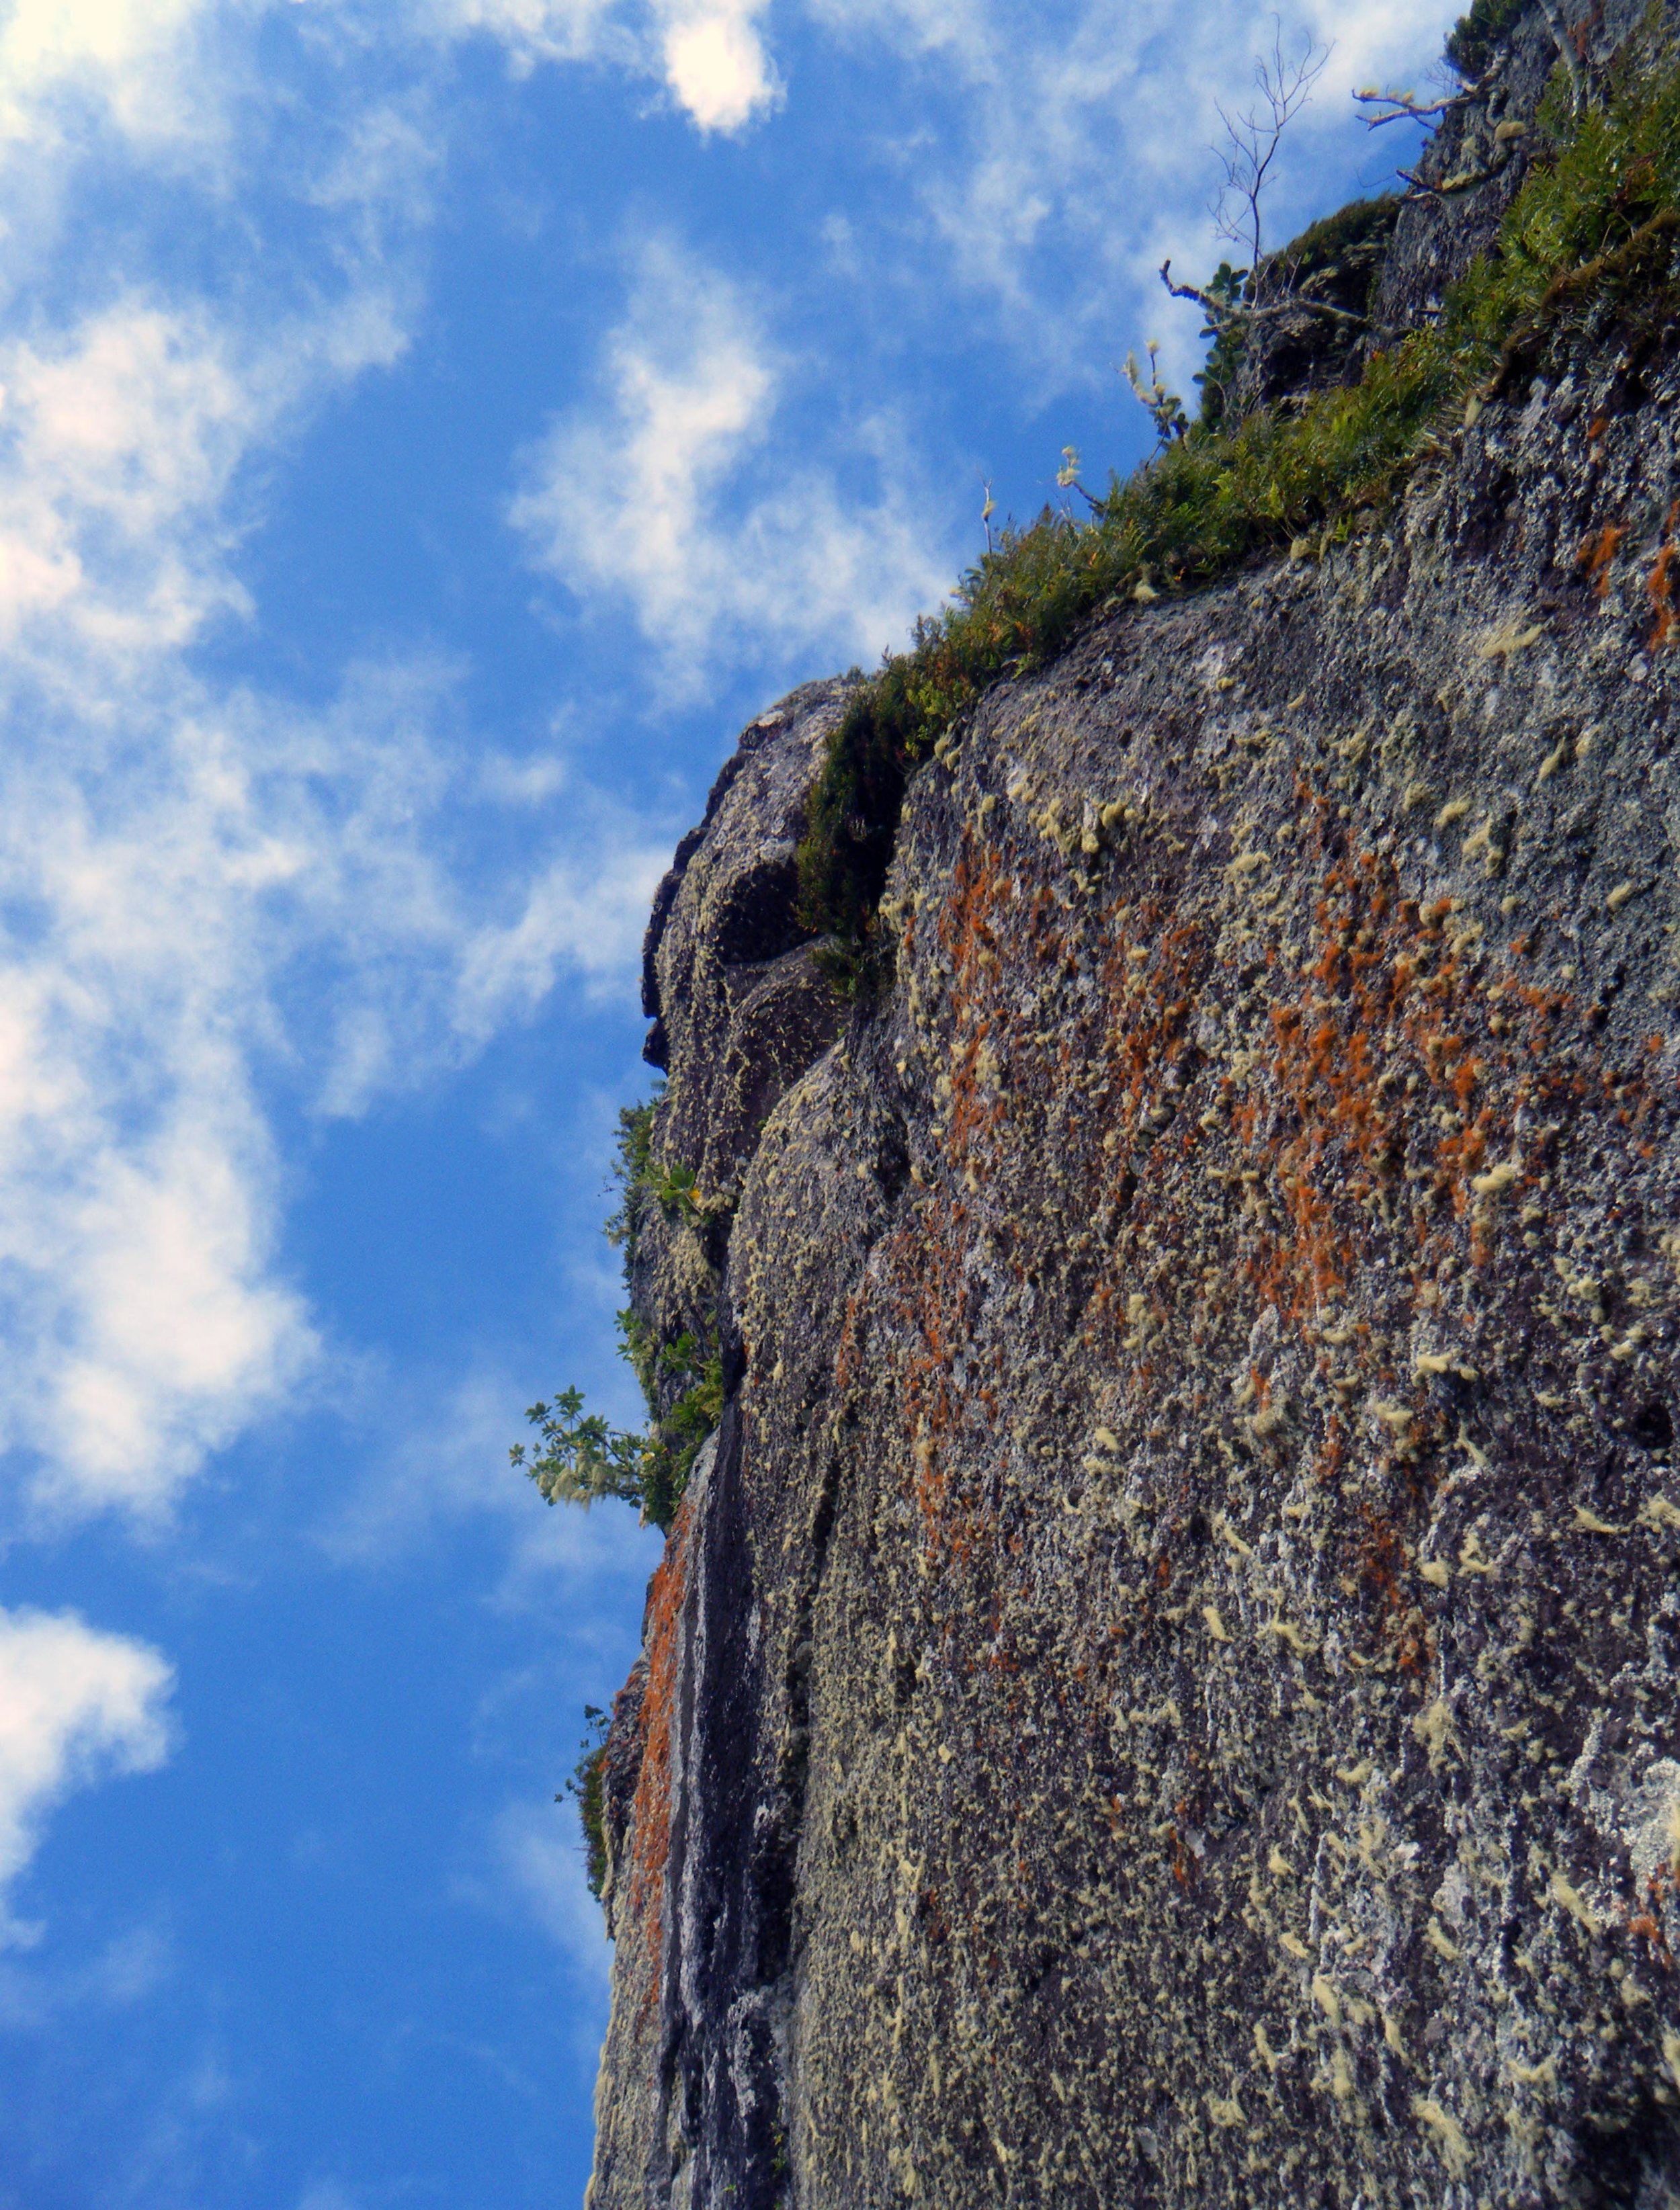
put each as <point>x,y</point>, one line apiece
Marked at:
<point>1164,1690</point>
<point>738,1005</point>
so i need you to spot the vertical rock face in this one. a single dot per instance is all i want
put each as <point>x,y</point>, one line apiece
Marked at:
<point>1163,1688</point>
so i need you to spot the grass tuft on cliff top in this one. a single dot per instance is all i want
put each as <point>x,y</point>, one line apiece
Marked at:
<point>1588,243</point>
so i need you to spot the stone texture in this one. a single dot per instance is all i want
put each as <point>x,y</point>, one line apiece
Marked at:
<point>1162,1689</point>
<point>739,1008</point>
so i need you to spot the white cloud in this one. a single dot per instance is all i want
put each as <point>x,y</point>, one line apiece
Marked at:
<point>111,436</point>
<point>74,1704</point>
<point>540,1859</point>
<point>197,895</point>
<point>709,53</point>
<point>126,56</point>
<point>716,63</point>
<point>671,492</point>
<point>583,918</point>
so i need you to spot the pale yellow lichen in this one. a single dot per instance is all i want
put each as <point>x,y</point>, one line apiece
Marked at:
<point>1590,1524</point>
<point>1436,1935</point>
<point>1448,2133</point>
<point>1497,1179</point>
<point>1565,1893</point>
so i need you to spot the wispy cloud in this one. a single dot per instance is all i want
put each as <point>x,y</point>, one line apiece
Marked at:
<point>75,1704</point>
<point>1066,149</point>
<point>674,491</point>
<point>583,915</point>
<point>328,2194</point>
<point>196,885</point>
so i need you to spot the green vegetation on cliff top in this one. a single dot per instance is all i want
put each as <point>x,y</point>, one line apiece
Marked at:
<point>1587,244</point>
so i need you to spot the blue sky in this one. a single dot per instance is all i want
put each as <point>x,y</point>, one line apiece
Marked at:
<point>428,430</point>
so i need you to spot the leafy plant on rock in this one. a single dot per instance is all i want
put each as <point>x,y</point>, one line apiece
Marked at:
<point>579,1457</point>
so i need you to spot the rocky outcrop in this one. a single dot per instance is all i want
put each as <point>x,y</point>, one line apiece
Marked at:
<point>1163,1688</point>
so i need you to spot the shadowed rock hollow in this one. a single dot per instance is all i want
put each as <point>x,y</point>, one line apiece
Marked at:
<point>1163,1688</point>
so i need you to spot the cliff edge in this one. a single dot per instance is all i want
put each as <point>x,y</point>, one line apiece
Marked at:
<point>1162,1687</point>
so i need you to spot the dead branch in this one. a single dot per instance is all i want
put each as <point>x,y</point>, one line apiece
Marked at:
<point>1403,108</point>
<point>1253,136</point>
<point>1223,313</point>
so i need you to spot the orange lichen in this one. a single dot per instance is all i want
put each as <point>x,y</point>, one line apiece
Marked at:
<point>1659,587</point>
<point>651,1816</point>
<point>1598,554</point>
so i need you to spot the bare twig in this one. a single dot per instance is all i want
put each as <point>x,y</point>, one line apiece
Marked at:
<point>1253,135</point>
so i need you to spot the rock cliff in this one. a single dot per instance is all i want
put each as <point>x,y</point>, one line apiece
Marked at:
<point>1163,1686</point>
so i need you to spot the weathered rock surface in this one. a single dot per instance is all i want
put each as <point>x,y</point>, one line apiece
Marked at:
<point>1163,1688</point>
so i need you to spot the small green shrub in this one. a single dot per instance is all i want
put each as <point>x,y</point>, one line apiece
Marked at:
<point>640,1181</point>
<point>1224,330</point>
<point>579,1456</point>
<point>1590,235</point>
<point>586,1785</point>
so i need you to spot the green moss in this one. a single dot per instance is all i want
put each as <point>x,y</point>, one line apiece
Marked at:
<point>1324,243</point>
<point>1588,238</point>
<point>673,1438</point>
<point>672,1442</point>
<point>1471,42</point>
